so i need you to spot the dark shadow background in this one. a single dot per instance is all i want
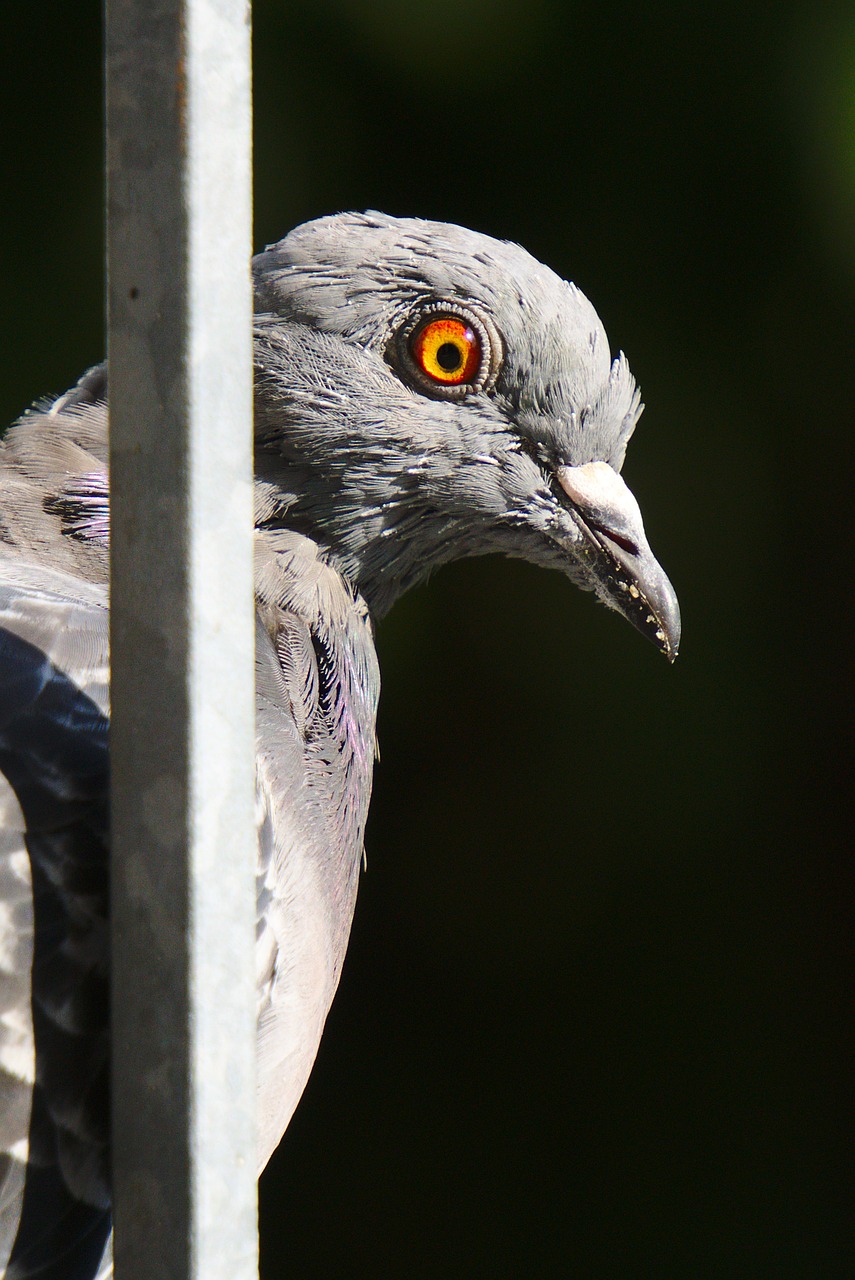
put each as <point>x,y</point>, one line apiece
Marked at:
<point>594,1016</point>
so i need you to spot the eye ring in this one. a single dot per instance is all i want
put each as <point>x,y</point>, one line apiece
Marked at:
<point>448,351</point>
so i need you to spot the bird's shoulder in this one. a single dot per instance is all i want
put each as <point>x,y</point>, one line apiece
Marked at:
<point>321,634</point>
<point>317,687</point>
<point>54,500</point>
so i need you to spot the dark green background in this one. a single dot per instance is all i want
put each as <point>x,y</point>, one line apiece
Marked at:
<point>594,1017</point>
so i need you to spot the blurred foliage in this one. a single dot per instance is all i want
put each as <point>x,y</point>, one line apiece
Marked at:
<point>594,1017</point>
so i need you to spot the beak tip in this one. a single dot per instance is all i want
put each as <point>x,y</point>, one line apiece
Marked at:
<point>669,631</point>
<point>659,619</point>
<point>669,635</point>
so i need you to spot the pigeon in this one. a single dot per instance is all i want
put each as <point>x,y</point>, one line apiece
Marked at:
<point>422,393</point>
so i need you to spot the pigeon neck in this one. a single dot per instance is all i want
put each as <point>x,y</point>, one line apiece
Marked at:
<point>380,548</point>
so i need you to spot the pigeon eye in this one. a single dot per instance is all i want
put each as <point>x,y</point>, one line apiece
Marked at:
<point>448,350</point>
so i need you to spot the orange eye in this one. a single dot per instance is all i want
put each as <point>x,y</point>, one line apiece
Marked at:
<point>447,350</point>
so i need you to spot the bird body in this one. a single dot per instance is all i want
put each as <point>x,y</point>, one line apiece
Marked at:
<point>422,393</point>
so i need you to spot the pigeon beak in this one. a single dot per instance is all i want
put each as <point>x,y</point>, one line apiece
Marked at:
<point>622,568</point>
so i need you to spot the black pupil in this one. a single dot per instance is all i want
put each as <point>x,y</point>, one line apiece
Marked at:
<point>449,357</point>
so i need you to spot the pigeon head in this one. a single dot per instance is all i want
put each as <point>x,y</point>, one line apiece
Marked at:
<point>424,393</point>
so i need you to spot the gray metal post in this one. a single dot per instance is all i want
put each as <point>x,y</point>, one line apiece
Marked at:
<point>183,904</point>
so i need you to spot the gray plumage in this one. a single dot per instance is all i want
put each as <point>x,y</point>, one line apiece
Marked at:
<point>375,463</point>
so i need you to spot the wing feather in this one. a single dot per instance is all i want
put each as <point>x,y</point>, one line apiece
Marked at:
<point>54,1219</point>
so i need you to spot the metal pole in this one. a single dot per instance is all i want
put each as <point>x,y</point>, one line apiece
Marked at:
<point>182,735</point>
